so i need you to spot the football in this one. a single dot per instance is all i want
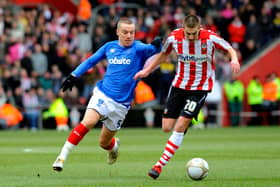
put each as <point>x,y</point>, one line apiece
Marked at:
<point>197,169</point>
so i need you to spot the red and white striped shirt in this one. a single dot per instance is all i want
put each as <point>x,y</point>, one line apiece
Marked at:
<point>196,68</point>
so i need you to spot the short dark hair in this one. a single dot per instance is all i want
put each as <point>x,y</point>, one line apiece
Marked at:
<point>191,21</point>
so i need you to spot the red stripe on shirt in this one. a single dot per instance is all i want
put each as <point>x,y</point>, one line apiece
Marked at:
<point>203,76</point>
<point>192,67</point>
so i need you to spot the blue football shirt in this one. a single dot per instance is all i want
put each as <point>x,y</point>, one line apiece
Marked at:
<point>123,64</point>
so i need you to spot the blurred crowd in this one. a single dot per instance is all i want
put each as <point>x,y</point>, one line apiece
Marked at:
<point>40,45</point>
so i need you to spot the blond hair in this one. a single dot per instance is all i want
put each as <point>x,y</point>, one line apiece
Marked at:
<point>125,21</point>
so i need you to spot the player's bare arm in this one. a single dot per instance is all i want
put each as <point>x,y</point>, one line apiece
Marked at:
<point>235,66</point>
<point>158,59</point>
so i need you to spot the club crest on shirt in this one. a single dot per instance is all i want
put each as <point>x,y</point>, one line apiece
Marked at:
<point>203,46</point>
<point>112,50</point>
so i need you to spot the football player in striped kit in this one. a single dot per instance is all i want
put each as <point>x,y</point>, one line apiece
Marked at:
<point>113,94</point>
<point>193,80</point>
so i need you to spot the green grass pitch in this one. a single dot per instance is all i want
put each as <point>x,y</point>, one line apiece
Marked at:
<point>237,157</point>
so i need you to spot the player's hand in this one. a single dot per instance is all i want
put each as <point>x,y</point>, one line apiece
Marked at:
<point>235,66</point>
<point>157,42</point>
<point>68,83</point>
<point>141,74</point>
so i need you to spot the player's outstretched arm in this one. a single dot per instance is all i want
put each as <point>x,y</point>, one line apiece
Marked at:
<point>235,66</point>
<point>159,58</point>
<point>68,83</point>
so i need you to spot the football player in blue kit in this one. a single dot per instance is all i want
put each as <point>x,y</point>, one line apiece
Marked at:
<point>113,94</point>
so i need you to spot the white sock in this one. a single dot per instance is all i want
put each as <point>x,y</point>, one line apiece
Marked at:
<point>66,149</point>
<point>172,145</point>
<point>177,138</point>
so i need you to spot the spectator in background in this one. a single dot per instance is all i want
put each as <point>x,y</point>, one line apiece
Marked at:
<point>179,16</point>
<point>276,24</point>
<point>248,49</point>
<point>25,80</point>
<point>237,31</point>
<point>255,100</point>
<point>56,79</point>
<point>10,116</point>
<point>47,13</point>
<point>146,99</point>
<point>209,24</point>
<point>58,110</point>
<point>31,108</point>
<point>277,81</point>
<point>246,10</point>
<point>3,97</point>
<point>46,81</point>
<point>43,98</point>
<point>10,79</point>
<point>18,98</point>
<point>270,92</point>
<point>227,13</point>
<point>253,31</point>
<point>3,45</point>
<point>213,7</point>
<point>26,62</point>
<point>84,38</point>
<point>265,24</point>
<point>99,37</point>
<point>234,91</point>
<point>212,105</point>
<point>74,116</point>
<point>141,30</point>
<point>16,50</point>
<point>73,39</point>
<point>39,60</point>
<point>200,7</point>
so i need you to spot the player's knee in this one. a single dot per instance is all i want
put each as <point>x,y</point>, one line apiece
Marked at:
<point>166,129</point>
<point>168,124</point>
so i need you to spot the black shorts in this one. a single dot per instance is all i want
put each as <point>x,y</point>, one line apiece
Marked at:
<point>184,103</point>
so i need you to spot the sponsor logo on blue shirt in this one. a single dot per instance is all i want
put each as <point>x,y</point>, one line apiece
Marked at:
<point>119,61</point>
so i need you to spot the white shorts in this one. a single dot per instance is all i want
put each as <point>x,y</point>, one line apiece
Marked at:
<point>113,113</point>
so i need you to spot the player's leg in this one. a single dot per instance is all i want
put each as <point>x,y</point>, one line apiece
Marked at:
<point>173,143</point>
<point>171,112</point>
<point>115,117</point>
<point>110,143</point>
<point>91,117</point>
<point>188,105</point>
